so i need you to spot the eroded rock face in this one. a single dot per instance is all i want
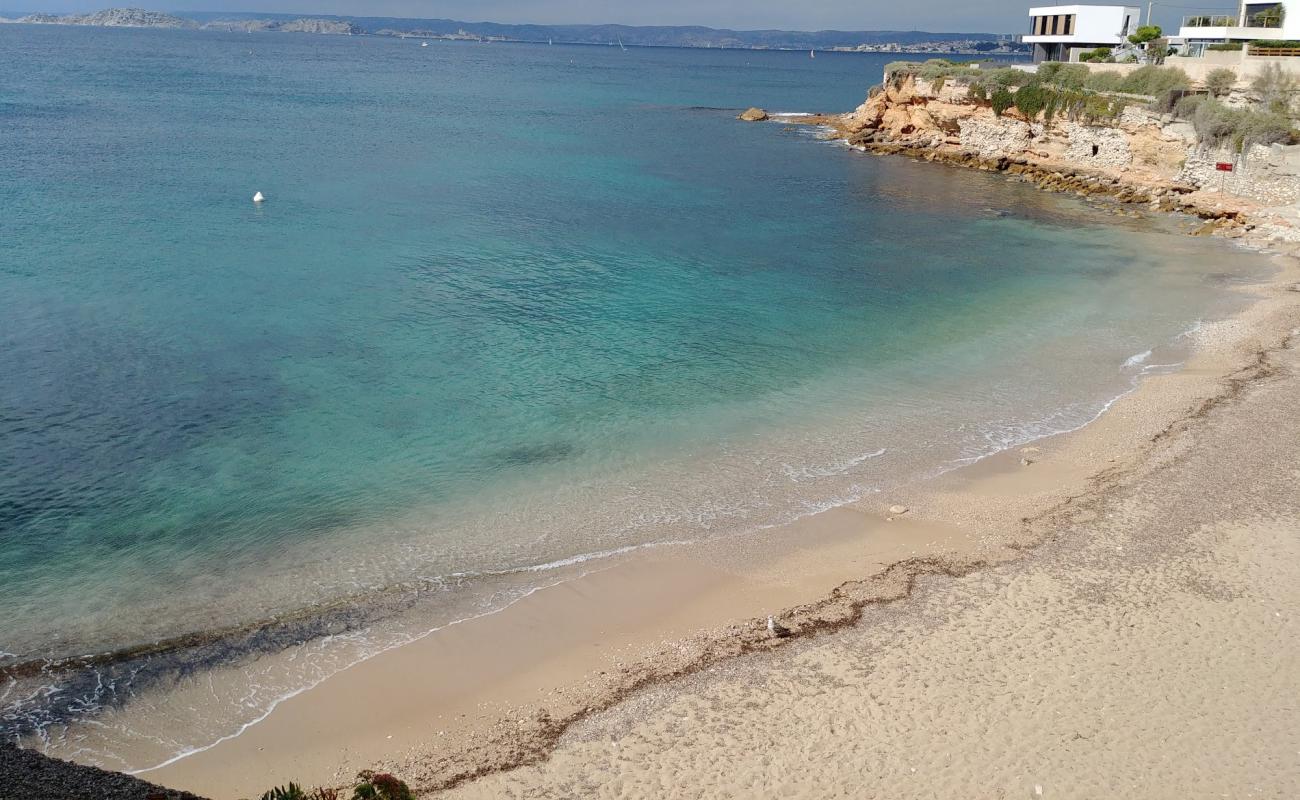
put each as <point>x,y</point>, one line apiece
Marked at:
<point>1094,146</point>
<point>753,115</point>
<point>994,137</point>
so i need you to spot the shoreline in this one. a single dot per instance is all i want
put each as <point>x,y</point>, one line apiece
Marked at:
<point>969,510</point>
<point>1143,649</point>
<point>995,510</point>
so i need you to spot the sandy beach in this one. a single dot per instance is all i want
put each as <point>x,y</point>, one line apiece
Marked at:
<point>541,430</point>
<point>1148,648</point>
<point>1110,612</point>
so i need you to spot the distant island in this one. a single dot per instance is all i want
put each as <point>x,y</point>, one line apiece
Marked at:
<point>632,35</point>
<point>139,18</point>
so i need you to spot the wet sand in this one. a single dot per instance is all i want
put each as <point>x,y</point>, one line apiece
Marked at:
<point>1007,559</point>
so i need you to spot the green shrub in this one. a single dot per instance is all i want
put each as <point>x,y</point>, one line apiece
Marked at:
<point>1288,44</point>
<point>1186,106</point>
<point>1219,126</point>
<point>1104,81</point>
<point>1001,99</point>
<point>1099,54</point>
<point>295,792</point>
<point>1097,108</point>
<point>1031,100</point>
<point>978,93</point>
<point>1275,87</point>
<point>1220,81</point>
<point>1146,33</point>
<point>931,70</point>
<point>1225,47</point>
<point>1066,76</point>
<point>1152,80</point>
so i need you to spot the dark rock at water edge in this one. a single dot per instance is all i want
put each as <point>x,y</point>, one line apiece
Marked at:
<point>28,775</point>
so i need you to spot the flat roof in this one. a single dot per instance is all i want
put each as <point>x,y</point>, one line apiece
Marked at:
<point>1044,10</point>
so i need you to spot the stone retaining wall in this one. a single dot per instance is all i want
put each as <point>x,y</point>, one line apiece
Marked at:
<point>1265,174</point>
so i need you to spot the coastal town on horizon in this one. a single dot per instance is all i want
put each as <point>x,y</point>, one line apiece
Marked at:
<point>631,35</point>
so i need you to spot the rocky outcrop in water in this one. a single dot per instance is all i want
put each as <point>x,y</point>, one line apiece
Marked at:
<point>321,26</point>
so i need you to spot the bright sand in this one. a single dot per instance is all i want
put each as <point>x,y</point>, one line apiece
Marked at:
<point>1146,647</point>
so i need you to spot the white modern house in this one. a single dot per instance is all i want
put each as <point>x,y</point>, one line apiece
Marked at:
<point>1062,33</point>
<point>1251,21</point>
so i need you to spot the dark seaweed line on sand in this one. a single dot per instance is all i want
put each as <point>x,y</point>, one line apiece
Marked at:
<point>110,679</point>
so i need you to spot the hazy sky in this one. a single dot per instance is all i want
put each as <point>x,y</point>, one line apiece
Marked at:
<point>997,16</point>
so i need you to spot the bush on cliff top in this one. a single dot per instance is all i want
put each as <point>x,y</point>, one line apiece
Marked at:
<point>941,69</point>
<point>1032,100</point>
<point>1152,80</point>
<point>1218,126</point>
<point>1147,80</point>
<point>1001,99</point>
<point>1220,81</point>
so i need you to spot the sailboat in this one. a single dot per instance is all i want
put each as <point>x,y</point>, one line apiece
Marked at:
<point>550,41</point>
<point>812,53</point>
<point>620,44</point>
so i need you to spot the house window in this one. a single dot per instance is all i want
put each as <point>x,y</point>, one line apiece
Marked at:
<point>1052,25</point>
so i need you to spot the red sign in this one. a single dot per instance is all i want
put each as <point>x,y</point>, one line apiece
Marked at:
<point>1223,166</point>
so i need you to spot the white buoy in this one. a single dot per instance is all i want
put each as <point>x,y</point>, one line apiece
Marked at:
<point>258,198</point>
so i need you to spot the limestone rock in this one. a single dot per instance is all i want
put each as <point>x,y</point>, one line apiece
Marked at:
<point>898,510</point>
<point>753,115</point>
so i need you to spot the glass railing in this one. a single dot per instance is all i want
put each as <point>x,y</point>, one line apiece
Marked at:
<point>1264,20</point>
<point>1211,21</point>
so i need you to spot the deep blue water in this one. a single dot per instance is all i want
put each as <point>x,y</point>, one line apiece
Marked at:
<point>505,304</point>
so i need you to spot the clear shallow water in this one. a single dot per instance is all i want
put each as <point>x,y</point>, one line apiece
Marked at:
<point>506,306</point>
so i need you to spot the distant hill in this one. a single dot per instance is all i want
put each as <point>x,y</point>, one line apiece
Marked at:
<point>634,35</point>
<point>113,18</point>
<point>639,35</point>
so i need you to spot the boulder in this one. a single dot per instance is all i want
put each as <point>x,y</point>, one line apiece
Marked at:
<point>753,115</point>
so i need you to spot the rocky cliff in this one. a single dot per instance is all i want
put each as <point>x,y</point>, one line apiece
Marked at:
<point>1137,157</point>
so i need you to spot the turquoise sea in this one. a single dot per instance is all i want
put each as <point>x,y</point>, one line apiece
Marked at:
<point>506,308</point>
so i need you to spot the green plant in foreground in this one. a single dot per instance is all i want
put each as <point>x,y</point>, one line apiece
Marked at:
<point>380,786</point>
<point>291,792</point>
